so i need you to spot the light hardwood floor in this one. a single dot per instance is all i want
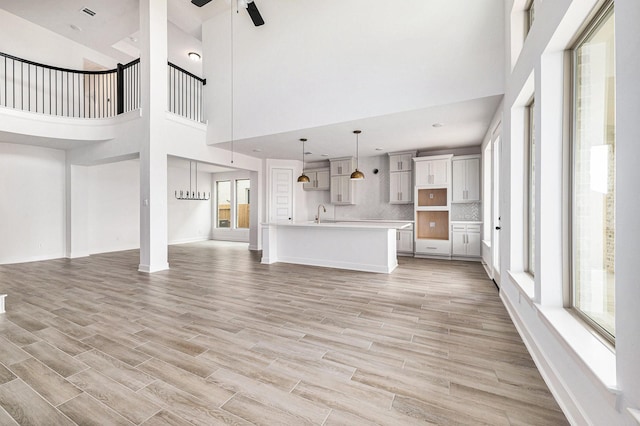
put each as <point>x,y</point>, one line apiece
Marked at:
<point>222,339</point>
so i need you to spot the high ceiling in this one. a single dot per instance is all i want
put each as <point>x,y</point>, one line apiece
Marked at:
<point>114,29</point>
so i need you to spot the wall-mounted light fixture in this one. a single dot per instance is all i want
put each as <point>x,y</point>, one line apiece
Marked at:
<point>303,178</point>
<point>194,56</point>
<point>357,174</point>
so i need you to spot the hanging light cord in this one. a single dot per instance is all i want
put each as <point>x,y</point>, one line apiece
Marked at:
<point>357,151</point>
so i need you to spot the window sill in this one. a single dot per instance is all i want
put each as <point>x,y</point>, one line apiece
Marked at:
<point>588,349</point>
<point>524,282</point>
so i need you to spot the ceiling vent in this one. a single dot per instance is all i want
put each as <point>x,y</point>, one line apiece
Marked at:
<point>89,11</point>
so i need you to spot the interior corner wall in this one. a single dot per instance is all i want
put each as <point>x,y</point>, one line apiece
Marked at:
<point>188,220</point>
<point>32,213</point>
<point>114,207</point>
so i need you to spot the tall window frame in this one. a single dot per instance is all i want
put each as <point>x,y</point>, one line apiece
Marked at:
<point>530,189</point>
<point>223,204</point>
<point>592,233</point>
<point>242,203</point>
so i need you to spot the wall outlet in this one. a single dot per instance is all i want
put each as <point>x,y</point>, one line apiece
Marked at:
<point>432,224</point>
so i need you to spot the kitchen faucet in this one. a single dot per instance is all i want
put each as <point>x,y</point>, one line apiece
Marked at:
<point>324,209</point>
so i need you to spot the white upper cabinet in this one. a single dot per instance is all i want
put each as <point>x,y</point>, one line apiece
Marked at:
<point>342,166</point>
<point>401,177</point>
<point>319,180</point>
<point>466,179</point>
<point>401,188</point>
<point>342,190</point>
<point>342,187</point>
<point>433,171</point>
<point>401,162</point>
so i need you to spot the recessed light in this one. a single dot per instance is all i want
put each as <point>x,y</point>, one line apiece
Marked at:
<point>308,153</point>
<point>257,150</point>
<point>324,155</point>
<point>438,124</point>
<point>378,149</point>
<point>194,56</point>
<point>75,27</point>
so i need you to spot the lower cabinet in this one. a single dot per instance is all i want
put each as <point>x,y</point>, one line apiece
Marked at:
<point>404,241</point>
<point>465,239</point>
<point>433,247</point>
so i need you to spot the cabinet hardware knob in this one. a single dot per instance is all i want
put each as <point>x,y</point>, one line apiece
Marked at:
<point>498,228</point>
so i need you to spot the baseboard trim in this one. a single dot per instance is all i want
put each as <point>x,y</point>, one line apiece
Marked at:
<point>150,269</point>
<point>554,381</point>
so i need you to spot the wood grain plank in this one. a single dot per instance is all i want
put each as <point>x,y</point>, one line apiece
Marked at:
<point>55,359</point>
<point>27,407</point>
<point>86,410</point>
<point>49,384</point>
<point>119,398</point>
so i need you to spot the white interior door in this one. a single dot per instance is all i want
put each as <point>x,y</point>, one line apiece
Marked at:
<point>495,225</point>
<point>281,200</point>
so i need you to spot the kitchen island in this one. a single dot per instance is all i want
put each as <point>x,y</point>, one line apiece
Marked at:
<point>360,246</point>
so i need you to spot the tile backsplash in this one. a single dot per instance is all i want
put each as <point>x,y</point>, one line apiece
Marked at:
<point>466,211</point>
<point>372,194</point>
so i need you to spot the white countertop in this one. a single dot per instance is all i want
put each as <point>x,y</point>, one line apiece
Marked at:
<point>349,224</point>
<point>466,221</point>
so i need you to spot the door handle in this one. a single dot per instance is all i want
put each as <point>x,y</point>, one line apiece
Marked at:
<point>498,228</point>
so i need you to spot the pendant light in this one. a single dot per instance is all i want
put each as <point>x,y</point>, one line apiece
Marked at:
<point>303,178</point>
<point>357,174</point>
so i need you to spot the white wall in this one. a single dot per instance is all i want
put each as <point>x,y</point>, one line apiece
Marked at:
<point>114,207</point>
<point>26,40</point>
<point>189,220</point>
<point>295,72</point>
<point>593,384</point>
<point>32,212</point>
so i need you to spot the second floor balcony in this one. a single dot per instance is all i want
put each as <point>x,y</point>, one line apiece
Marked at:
<point>30,86</point>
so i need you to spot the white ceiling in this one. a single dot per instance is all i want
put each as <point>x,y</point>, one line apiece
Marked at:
<point>116,23</point>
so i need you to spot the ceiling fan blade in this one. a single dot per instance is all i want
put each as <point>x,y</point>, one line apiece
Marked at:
<point>200,3</point>
<point>254,13</point>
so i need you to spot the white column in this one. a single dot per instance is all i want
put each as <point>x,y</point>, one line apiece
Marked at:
<point>153,146</point>
<point>77,206</point>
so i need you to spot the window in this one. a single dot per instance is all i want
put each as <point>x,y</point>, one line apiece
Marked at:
<point>593,175</point>
<point>530,191</point>
<point>223,202</point>
<point>242,203</point>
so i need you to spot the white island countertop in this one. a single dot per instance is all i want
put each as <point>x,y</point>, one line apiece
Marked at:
<point>374,224</point>
<point>361,246</point>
